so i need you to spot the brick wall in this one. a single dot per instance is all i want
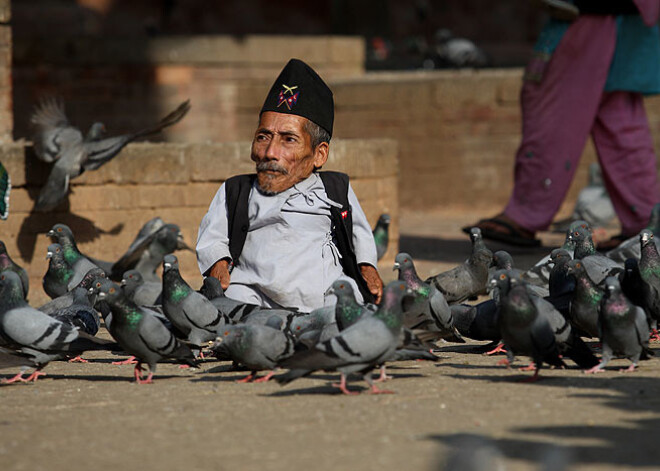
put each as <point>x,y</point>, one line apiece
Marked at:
<point>107,207</point>
<point>6,116</point>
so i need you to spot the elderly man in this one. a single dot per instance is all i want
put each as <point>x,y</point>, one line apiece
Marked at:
<point>281,237</point>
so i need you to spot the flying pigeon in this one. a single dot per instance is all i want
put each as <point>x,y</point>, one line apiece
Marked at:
<point>55,140</point>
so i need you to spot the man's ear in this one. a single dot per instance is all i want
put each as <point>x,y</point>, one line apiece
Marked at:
<point>321,154</point>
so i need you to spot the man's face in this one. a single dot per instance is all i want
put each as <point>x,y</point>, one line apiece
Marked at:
<point>283,152</point>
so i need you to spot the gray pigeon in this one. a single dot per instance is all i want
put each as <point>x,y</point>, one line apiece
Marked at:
<point>466,280</point>
<point>598,266</point>
<point>142,293</point>
<point>586,300</point>
<point>56,280</point>
<point>66,299</point>
<point>364,345</point>
<point>140,333</point>
<point>34,334</point>
<point>381,234</point>
<point>190,312</point>
<point>55,140</point>
<point>524,331</point>
<point>429,309</point>
<point>624,329</point>
<point>630,247</point>
<point>80,314</point>
<point>211,288</point>
<point>146,253</point>
<point>61,234</point>
<point>6,263</point>
<point>649,269</point>
<point>257,347</point>
<point>477,322</point>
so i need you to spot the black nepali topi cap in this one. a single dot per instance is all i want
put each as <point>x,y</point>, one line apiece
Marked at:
<point>299,90</point>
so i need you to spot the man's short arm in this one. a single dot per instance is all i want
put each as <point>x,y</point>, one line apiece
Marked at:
<point>213,235</point>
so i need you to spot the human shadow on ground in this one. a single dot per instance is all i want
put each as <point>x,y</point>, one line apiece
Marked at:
<point>458,250</point>
<point>632,446</point>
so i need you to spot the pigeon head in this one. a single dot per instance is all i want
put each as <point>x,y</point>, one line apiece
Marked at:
<point>107,291</point>
<point>384,220</point>
<point>645,237</point>
<point>475,234</point>
<point>99,284</point>
<point>132,278</point>
<point>167,237</point>
<point>403,262</point>
<point>501,280</point>
<point>60,233</point>
<point>502,260</point>
<point>569,241</point>
<point>630,266</point>
<point>234,337</point>
<point>612,285</point>
<point>341,288</point>
<point>54,251</point>
<point>212,288</point>
<point>559,257</point>
<point>170,262</point>
<point>575,267</point>
<point>482,257</point>
<point>91,276</point>
<point>96,132</point>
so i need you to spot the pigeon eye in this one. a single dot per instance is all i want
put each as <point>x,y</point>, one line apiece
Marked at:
<point>578,265</point>
<point>59,229</point>
<point>502,276</point>
<point>576,233</point>
<point>111,290</point>
<point>298,328</point>
<point>341,286</point>
<point>226,333</point>
<point>405,260</point>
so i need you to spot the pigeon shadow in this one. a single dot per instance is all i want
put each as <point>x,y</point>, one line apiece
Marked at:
<point>326,390</point>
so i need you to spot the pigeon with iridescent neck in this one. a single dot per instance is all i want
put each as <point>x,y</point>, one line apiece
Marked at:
<point>649,269</point>
<point>62,234</point>
<point>358,349</point>
<point>59,273</point>
<point>381,235</point>
<point>598,266</point>
<point>624,331</point>
<point>429,309</point>
<point>140,333</point>
<point>630,247</point>
<point>585,304</point>
<point>34,334</point>
<point>6,263</point>
<point>190,312</point>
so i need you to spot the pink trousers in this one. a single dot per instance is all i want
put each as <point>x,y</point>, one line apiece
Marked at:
<point>558,115</point>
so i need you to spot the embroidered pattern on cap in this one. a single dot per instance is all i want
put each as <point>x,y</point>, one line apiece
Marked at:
<point>288,101</point>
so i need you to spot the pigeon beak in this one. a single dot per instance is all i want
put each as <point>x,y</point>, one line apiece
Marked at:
<point>50,233</point>
<point>396,266</point>
<point>90,291</point>
<point>49,255</point>
<point>329,291</point>
<point>123,282</point>
<point>101,295</point>
<point>167,266</point>
<point>549,263</point>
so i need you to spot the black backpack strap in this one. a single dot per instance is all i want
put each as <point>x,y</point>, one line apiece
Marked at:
<point>336,187</point>
<point>237,194</point>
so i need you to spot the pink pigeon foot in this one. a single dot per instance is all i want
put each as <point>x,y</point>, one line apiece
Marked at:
<point>594,370</point>
<point>265,379</point>
<point>78,359</point>
<point>34,376</point>
<point>375,390</point>
<point>248,379</point>
<point>655,336</point>
<point>342,386</point>
<point>499,349</point>
<point>14,379</point>
<point>128,361</point>
<point>630,369</point>
<point>183,367</point>
<point>383,376</point>
<point>530,367</point>
<point>149,379</point>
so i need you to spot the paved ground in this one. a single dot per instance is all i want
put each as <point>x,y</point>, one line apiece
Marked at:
<point>85,416</point>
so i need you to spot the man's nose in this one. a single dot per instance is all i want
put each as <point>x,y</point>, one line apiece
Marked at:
<point>273,151</point>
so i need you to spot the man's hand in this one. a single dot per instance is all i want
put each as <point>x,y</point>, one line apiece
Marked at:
<point>375,284</point>
<point>220,270</point>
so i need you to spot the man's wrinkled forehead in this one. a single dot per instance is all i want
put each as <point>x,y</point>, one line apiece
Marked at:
<point>282,124</point>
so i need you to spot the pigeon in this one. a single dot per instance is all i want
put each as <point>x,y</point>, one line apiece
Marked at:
<point>649,269</point>
<point>211,288</point>
<point>634,287</point>
<point>477,322</point>
<point>466,280</point>
<point>62,235</point>
<point>523,330</point>
<point>561,285</point>
<point>140,333</point>
<point>624,330</point>
<point>502,260</point>
<point>359,348</point>
<point>5,190</point>
<point>189,311</point>
<point>34,334</point>
<point>539,274</point>
<point>452,51</point>
<point>140,292</point>
<point>146,253</point>
<point>347,310</point>
<point>593,203</point>
<point>630,248</point>
<point>80,314</point>
<point>598,266</point>
<point>56,280</point>
<point>56,141</point>
<point>308,328</point>
<point>381,235</point>
<point>66,299</point>
<point>429,309</point>
<point>6,263</point>
<point>586,300</point>
<point>257,347</point>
